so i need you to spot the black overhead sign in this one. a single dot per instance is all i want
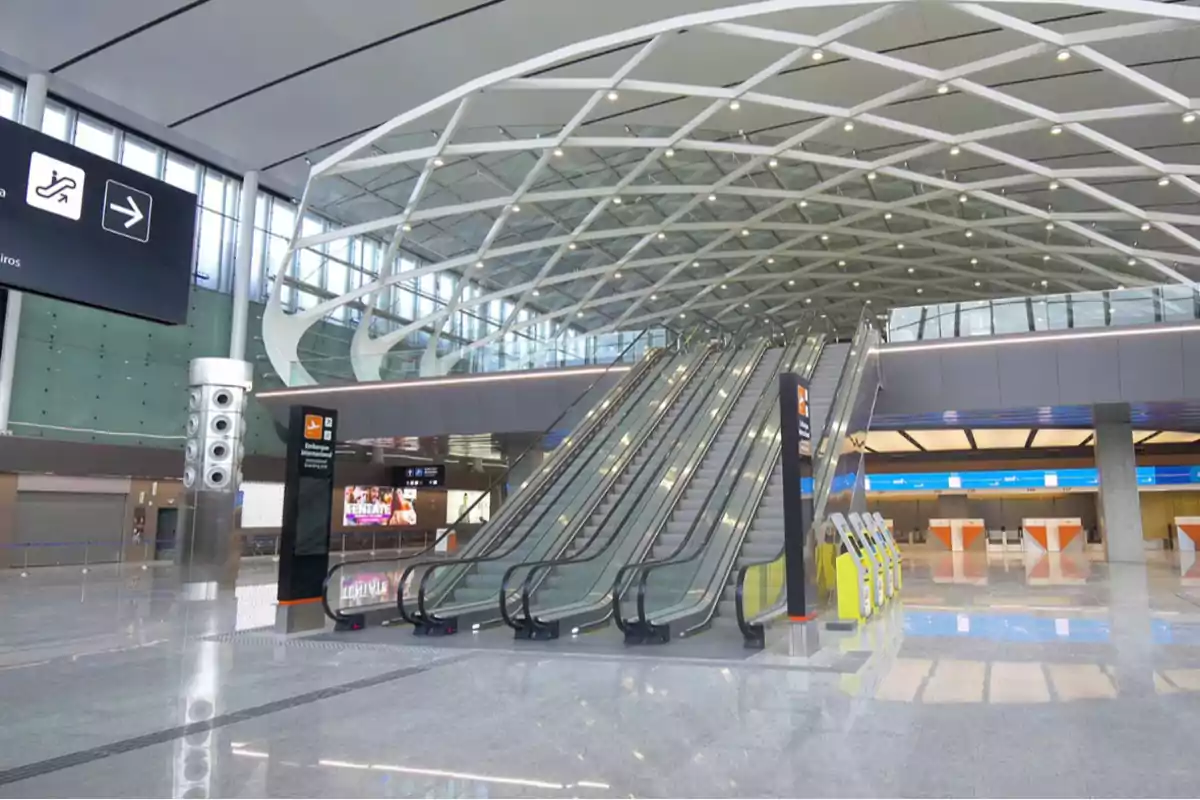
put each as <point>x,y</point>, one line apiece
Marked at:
<point>82,228</point>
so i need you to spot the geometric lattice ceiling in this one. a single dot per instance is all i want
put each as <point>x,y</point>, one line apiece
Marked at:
<point>713,169</point>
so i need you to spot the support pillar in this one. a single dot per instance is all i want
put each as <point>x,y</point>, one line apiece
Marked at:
<point>35,111</point>
<point>242,267</point>
<point>207,549</point>
<point>1118,503</point>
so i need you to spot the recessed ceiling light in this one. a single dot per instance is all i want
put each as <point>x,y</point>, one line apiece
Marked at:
<point>911,270</point>
<point>817,55</point>
<point>653,297</point>
<point>871,176</point>
<point>955,150</point>
<point>516,209</point>
<point>842,263</point>
<point>724,286</point>
<point>804,204</point>
<point>824,237</point>
<point>712,198</point>
<point>978,283</point>
<point>900,245</point>
<point>558,152</point>
<point>1132,262</point>
<point>612,95</point>
<point>791,283</point>
<point>1055,130</point>
<point>1049,226</point>
<point>770,261</point>
<point>868,301</point>
<point>1045,282</point>
<point>735,105</point>
<point>536,293</point>
<point>1120,286</point>
<point>974,260</point>
<point>1145,226</point>
<point>661,235</point>
<point>942,88</point>
<point>1189,117</point>
<point>857,284</point>
<point>406,227</point>
<point>617,276</point>
<point>439,162</point>
<point>969,234</point>
<point>745,231</point>
<point>1063,55</point>
<point>1164,181</point>
<point>695,263</point>
<point>617,201</point>
<point>848,126</point>
<point>823,316</point>
<point>670,153</point>
<point>920,290</point>
<point>1053,185</point>
<point>1045,258</point>
<point>745,305</point>
<point>579,313</point>
<point>887,215</point>
<point>681,316</point>
<point>962,198</point>
<point>774,162</point>
<point>478,265</point>
<point>572,246</point>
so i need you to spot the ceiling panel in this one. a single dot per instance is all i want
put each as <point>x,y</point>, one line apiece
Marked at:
<point>1000,438</point>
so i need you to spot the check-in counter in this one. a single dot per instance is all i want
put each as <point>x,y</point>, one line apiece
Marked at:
<point>957,535</point>
<point>1053,535</point>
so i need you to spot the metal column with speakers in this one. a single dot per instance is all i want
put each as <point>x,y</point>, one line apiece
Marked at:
<point>207,550</point>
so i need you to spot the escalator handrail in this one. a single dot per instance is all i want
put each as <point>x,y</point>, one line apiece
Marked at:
<point>587,428</point>
<point>861,337</point>
<point>646,567</point>
<point>528,588</point>
<point>762,410</point>
<point>495,554</point>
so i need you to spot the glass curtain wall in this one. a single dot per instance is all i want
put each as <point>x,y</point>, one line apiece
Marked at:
<point>325,272</point>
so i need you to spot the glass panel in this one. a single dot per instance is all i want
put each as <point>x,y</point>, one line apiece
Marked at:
<point>1132,307</point>
<point>95,137</point>
<point>1087,310</point>
<point>905,324</point>
<point>1010,315</point>
<point>1049,313</point>
<point>208,258</point>
<point>8,101</point>
<point>55,122</point>
<point>1179,303</point>
<point>140,156</point>
<point>975,318</point>
<point>181,173</point>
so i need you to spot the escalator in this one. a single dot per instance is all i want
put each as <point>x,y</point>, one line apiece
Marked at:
<point>678,593</point>
<point>843,416</point>
<point>345,581</point>
<point>574,593</point>
<point>466,591</point>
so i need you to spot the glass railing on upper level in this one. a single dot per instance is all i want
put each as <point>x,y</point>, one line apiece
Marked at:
<point>1147,305</point>
<point>402,363</point>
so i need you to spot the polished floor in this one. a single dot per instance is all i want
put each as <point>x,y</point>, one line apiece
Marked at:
<point>991,676</point>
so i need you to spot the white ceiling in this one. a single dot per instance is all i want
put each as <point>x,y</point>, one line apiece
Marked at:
<point>268,83</point>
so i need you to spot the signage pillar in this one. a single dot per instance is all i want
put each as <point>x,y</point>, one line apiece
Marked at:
<point>307,514</point>
<point>35,111</point>
<point>796,441</point>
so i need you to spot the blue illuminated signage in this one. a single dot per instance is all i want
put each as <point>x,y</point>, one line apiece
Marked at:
<point>1023,479</point>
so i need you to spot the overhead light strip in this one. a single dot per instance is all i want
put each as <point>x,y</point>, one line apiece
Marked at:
<point>1034,339</point>
<point>380,387</point>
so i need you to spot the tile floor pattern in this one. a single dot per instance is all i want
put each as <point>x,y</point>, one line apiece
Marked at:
<point>990,678</point>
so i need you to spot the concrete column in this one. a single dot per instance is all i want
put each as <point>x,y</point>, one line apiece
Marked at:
<point>35,110</point>
<point>242,267</point>
<point>1119,506</point>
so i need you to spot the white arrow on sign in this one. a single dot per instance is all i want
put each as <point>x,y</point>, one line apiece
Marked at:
<point>133,212</point>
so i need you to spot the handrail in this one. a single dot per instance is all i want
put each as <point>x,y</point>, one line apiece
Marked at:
<point>528,588</point>
<point>647,568</point>
<point>496,554</point>
<point>545,469</point>
<point>752,631</point>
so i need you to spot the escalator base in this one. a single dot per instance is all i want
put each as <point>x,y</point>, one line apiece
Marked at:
<point>647,633</point>
<point>536,631</point>
<point>441,627</point>
<point>351,622</point>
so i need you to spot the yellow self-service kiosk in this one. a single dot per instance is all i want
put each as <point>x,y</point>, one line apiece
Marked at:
<point>880,571</point>
<point>889,541</point>
<point>855,574</point>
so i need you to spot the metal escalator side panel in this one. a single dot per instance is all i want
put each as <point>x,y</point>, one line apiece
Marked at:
<point>571,498</point>
<point>690,589</point>
<point>454,571</point>
<point>669,579</point>
<point>649,501</point>
<point>340,576</point>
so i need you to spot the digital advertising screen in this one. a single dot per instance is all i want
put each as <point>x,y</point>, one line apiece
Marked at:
<point>461,502</point>
<point>380,506</point>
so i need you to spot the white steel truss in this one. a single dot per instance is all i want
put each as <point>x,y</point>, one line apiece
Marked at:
<point>610,217</point>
